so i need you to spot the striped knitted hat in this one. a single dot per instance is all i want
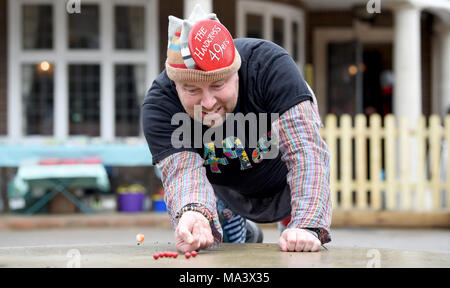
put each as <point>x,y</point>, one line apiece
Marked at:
<point>181,65</point>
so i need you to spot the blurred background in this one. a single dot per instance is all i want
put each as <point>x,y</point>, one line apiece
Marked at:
<point>73,76</point>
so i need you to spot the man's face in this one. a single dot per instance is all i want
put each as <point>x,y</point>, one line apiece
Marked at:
<point>211,100</point>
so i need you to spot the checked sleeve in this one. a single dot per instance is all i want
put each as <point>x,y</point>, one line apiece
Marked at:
<point>185,182</point>
<point>308,161</point>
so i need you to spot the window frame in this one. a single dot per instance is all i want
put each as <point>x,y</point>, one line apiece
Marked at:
<point>61,56</point>
<point>270,10</point>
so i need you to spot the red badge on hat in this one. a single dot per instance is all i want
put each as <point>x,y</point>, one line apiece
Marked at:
<point>211,45</point>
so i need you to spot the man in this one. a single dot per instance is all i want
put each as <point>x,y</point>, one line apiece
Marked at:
<point>211,77</point>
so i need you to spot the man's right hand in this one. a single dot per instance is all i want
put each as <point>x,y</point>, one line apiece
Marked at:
<point>193,232</point>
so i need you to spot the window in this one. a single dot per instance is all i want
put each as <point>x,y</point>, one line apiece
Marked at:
<point>84,99</point>
<point>278,30</point>
<point>80,73</point>
<point>83,29</point>
<point>37,96</point>
<point>37,28</point>
<point>279,23</point>
<point>130,27</point>
<point>129,93</point>
<point>254,26</point>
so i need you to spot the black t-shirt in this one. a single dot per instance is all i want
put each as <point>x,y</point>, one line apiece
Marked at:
<point>269,82</point>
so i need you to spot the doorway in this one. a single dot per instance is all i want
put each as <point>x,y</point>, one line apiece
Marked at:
<point>360,78</point>
<point>377,79</point>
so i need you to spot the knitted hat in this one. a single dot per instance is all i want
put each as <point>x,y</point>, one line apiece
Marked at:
<point>200,49</point>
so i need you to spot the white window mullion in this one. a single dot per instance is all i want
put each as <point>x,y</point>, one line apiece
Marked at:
<point>267,26</point>
<point>152,41</point>
<point>188,6</point>
<point>241,25</point>
<point>151,47</point>
<point>287,25</point>
<point>107,97</point>
<point>301,41</point>
<point>61,95</point>
<point>15,109</point>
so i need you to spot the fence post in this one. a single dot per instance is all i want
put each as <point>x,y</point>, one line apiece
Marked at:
<point>447,164</point>
<point>390,157</point>
<point>346,161</point>
<point>361,161</point>
<point>375,161</point>
<point>435,152</point>
<point>404,163</point>
<point>331,140</point>
<point>421,167</point>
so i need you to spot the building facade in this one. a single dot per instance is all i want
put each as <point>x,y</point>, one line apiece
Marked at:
<point>81,68</point>
<point>65,73</point>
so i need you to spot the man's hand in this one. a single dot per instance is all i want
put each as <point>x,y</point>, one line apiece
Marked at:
<point>193,232</point>
<point>293,239</point>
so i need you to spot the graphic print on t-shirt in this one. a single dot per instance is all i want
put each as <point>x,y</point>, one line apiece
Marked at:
<point>234,149</point>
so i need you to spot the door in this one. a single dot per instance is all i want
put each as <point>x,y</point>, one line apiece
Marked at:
<point>345,78</point>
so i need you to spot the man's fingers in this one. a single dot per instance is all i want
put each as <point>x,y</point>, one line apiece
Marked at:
<point>298,240</point>
<point>197,233</point>
<point>316,246</point>
<point>185,235</point>
<point>199,238</point>
<point>291,240</point>
<point>308,245</point>
<point>312,246</point>
<point>282,243</point>
<point>193,232</point>
<point>202,241</point>
<point>302,243</point>
<point>207,239</point>
<point>210,238</point>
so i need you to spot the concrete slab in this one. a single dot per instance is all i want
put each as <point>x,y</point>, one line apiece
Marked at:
<point>225,256</point>
<point>432,240</point>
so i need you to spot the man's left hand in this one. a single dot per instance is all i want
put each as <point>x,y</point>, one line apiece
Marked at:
<point>294,239</point>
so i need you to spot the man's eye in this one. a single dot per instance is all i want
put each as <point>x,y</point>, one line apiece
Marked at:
<point>217,86</point>
<point>193,91</point>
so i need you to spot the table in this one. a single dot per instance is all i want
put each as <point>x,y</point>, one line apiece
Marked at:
<point>58,179</point>
<point>110,154</point>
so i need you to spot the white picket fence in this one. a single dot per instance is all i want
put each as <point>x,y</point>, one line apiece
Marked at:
<point>388,167</point>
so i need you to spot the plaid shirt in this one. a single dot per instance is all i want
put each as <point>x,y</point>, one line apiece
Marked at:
<point>306,156</point>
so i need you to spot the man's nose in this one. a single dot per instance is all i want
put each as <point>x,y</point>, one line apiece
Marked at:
<point>208,101</point>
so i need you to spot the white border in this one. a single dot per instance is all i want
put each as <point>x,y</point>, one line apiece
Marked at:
<point>61,56</point>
